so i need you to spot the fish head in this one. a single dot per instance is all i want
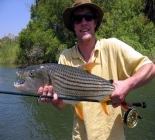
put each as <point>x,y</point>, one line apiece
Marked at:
<point>31,78</point>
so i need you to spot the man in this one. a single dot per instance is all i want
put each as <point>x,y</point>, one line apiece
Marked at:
<point>118,61</point>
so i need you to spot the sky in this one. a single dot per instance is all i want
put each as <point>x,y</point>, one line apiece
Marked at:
<point>14,16</point>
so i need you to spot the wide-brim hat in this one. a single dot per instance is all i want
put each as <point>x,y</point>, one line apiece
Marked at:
<point>78,3</point>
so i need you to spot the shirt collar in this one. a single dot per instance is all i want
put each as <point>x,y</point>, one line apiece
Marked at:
<point>76,54</point>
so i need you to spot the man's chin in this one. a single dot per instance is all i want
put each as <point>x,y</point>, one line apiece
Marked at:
<point>87,37</point>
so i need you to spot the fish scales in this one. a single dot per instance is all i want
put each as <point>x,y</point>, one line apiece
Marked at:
<point>74,74</point>
<point>79,76</point>
<point>68,81</point>
<point>77,81</point>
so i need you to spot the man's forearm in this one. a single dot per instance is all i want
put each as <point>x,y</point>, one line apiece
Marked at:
<point>142,76</point>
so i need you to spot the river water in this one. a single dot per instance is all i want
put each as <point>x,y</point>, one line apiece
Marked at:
<point>24,118</point>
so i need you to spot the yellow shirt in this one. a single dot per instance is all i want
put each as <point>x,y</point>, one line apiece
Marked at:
<point>118,61</point>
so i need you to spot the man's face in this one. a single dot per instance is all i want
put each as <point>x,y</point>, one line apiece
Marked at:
<point>85,28</point>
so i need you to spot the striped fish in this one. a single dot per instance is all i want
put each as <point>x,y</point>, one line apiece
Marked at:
<point>67,81</point>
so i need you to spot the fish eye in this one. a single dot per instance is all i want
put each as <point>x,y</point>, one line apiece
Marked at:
<point>31,73</point>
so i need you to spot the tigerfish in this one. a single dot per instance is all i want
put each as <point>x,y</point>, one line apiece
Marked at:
<point>67,81</point>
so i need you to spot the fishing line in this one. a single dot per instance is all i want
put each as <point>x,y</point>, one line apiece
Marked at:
<point>30,108</point>
<point>44,118</point>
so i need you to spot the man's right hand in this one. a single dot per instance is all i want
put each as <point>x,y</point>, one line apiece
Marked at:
<point>48,91</point>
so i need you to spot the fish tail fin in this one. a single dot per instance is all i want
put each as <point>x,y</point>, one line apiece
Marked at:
<point>79,110</point>
<point>88,66</point>
<point>104,105</point>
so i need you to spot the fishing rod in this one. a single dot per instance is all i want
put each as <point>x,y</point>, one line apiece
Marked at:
<point>45,96</point>
<point>130,117</point>
<point>129,104</point>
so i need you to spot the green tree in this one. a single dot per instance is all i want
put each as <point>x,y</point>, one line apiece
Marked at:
<point>45,31</point>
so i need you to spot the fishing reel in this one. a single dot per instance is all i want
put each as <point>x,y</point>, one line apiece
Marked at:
<point>131,115</point>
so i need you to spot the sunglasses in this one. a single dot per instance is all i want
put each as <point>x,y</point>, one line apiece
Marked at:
<point>87,16</point>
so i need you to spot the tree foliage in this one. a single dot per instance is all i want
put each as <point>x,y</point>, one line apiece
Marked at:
<point>45,31</point>
<point>45,36</point>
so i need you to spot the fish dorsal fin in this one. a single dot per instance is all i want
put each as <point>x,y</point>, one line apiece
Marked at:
<point>104,104</point>
<point>79,110</point>
<point>88,66</point>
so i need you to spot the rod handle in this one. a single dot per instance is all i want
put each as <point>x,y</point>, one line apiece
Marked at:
<point>138,104</point>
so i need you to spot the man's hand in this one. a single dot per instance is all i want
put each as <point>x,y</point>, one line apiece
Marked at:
<point>48,91</point>
<point>121,90</point>
<point>143,75</point>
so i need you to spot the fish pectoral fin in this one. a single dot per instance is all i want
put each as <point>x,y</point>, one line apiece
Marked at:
<point>79,110</point>
<point>104,104</point>
<point>88,66</point>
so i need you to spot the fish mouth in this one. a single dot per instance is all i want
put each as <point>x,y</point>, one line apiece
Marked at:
<point>26,83</point>
<point>20,80</point>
